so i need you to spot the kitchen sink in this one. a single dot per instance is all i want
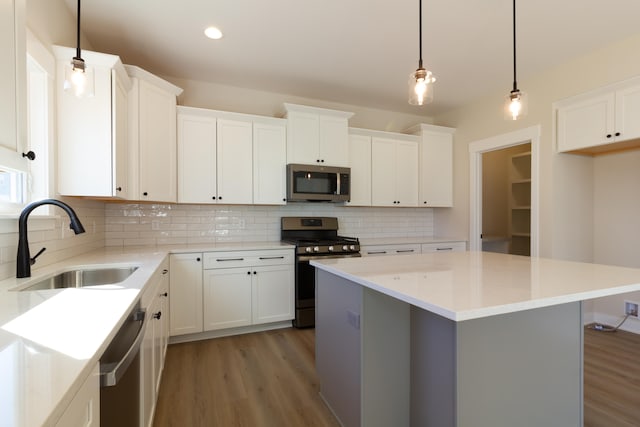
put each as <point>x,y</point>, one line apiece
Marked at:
<point>81,277</point>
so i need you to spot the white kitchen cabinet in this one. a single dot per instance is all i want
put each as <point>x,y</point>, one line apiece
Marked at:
<point>247,288</point>
<point>84,409</point>
<point>13,129</point>
<point>152,137</point>
<point>436,165</point>
<point>599,121</point>
<point>317,135</point>
<point>390,249</point>
<point>360,164</point>
<point>234,163</point>
<point>269,162</point>
<point>93,131</point>
<point>453,246</point>
<point>185,288</point>
<point>230,158</point>
<point>394,171</point>
<point>152,354</point>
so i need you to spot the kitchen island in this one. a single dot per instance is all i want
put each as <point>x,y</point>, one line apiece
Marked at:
<point>456,339</point>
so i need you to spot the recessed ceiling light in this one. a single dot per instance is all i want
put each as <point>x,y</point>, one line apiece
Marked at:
<point>213,33</point>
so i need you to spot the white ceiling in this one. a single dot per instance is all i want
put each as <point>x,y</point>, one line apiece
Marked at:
<point>358,52</point>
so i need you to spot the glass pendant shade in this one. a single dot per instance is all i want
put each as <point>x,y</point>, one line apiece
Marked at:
<point>421,87</point>
<point>79,79</point>
<point>516,105</point>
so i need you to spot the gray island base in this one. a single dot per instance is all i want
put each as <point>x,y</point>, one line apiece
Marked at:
<point>456,340</point>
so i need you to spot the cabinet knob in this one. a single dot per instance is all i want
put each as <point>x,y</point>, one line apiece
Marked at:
<point>118,188</point>
<point>617,133</point>
<point>214,197</point>
<point>255,272</point>
<point>198,259</point>
<point>219,197</point>
<point>157,315</point>
<point>165,271</point>
<point>248,272</point>
<point>29,155</point>
<point>166,294</point>
<point>424,202</point>
<point>321,160</point>
<point>609,135</point>
<point>284,200</point>
<point>145,194</point>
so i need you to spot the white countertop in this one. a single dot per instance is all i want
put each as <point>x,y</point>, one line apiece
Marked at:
<point>469,285</point>
<point>51,339</point>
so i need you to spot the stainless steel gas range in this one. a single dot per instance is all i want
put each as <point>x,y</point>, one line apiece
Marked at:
<point>314,238</point>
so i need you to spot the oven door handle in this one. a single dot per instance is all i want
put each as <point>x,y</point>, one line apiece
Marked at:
<point>304,258</point>
<point>111,373</point>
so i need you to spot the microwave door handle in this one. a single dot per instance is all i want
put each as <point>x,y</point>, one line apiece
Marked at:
<point>338,183</point>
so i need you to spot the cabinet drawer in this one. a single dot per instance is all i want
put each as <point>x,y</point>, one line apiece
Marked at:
<point>377,250</point>
<point>231,259</point>
<point>444,247</point>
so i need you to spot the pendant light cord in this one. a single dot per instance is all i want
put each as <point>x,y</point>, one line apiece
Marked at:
<point>78,34</point>
<point>420,32</point>
<point>515,83</point>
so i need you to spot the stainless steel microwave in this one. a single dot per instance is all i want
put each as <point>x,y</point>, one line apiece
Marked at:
<point>318,183</point>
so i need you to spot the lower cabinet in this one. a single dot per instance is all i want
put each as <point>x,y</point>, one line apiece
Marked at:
<point>221,290</point>
<point>84,409</point>
<point>154,345</point>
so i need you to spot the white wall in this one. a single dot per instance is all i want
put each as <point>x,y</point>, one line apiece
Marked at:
<point>580,198</point>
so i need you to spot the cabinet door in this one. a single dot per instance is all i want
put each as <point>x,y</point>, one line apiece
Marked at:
<point>407,173</point>
<point>383,172</point>
<point>303,138</point>
<point>196,159</point>
<point>234,161</point>
<point>120,132</point>
<point>157,139</point>
<point>227,298</point>
<point>587,123</point>
<point>269,164</point>
<point>628,113</point>
<point>185,288</point>
<point>436,170</point>
<point>360,164</point>
<point>12,84</point>
<point>84,409</point>
<point>334,141</point>
<point>272,293</point>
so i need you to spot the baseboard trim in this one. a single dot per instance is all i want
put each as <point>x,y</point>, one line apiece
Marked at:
<point>229,332</point>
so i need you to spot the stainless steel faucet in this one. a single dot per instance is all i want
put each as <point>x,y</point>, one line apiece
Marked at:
<point>24,260</point>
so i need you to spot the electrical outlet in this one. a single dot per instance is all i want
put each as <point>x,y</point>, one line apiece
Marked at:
<point>353,319</point>
<point>631,308</point>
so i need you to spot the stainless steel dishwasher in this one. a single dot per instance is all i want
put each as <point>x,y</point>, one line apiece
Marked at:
<point>120,374</point>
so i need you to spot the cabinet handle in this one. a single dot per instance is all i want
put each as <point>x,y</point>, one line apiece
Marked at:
<point>271,257</point>
<point>376,252</point>
<point>29,155</point>
<point>157,315</point>
<point>165,271</point>
<point>401,251</point>
<point>444,249</point>
<point>229,259</point>
<point>118,188</point>
<point>609,135</point>
<point>617,133</point>
<point>166,294</point>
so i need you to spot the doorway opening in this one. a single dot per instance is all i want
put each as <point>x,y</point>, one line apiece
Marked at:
<point>504,172</point>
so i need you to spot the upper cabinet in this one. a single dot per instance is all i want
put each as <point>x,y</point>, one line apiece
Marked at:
<point>152,137</point>
<point>603,120</point>
<point>230,158</point>
<point>436,165</point>
<point>360,164</point>
<point>12,84</point>
<point>394,171</point>
<point>92,132</point>
<point>317,135</point>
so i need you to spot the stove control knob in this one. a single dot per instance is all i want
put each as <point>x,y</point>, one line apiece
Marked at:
<point>345,248</point>
<point>330,249</point>
<point>352,248</point>
<point>307,249</point>
<point>316,249</point>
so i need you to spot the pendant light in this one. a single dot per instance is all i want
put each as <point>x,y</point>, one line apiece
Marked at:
<point>421,81</point>
<point>78,78</point>
<point>516,102</point>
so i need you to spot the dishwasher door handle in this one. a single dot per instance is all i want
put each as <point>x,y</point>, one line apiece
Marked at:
<point>111,373</point>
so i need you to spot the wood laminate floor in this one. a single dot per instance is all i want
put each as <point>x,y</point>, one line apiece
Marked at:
<point>255,380</point>
<point>269,379</point>
<point>611,379</point>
